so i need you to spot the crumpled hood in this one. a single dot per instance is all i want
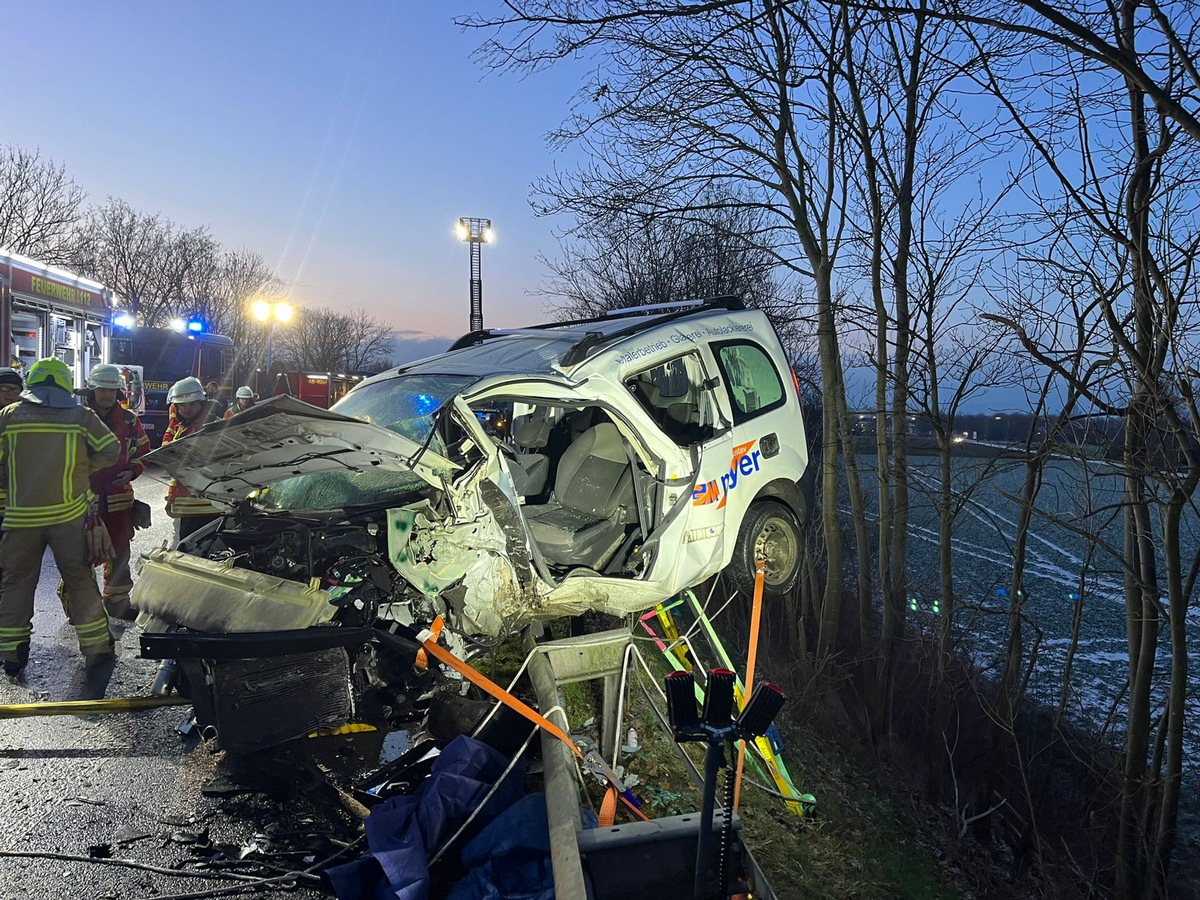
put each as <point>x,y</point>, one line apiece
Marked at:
<point>284,437</point>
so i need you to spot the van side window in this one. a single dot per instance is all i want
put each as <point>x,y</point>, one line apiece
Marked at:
<point>751,379</point>
<point>673,394</point>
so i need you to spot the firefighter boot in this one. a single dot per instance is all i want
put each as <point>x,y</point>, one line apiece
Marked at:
<point>16,660</point>
<point>97,660</point>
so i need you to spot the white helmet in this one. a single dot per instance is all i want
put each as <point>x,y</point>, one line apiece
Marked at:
<point>245,393</point>
<point>186,391</point>
<point>105,376</point>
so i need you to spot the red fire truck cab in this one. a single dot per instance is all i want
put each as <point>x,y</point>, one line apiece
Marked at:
<point>321,389</point>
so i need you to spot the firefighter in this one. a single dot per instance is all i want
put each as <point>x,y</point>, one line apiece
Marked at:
<point>10,392</point>
<point>242,401</point>
<point>49,448</point>
<point>113,486</point>
<point>190,411</point>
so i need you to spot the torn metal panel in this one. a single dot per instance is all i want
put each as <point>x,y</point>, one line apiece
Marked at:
<point>209,596</point>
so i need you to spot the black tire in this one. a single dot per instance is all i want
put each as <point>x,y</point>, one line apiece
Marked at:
<point>770,530</point>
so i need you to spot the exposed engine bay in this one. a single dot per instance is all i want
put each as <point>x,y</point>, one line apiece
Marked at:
<point>344,558</point>
<point>306,597</point>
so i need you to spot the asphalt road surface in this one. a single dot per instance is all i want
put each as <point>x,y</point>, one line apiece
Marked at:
<point>81,796</point>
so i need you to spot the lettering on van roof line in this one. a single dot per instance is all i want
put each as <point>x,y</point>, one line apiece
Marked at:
<point>684,337</point>
<point>638,352</point>
<point>745,464</point>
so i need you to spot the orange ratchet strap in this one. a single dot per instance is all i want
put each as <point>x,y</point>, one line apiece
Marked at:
<point>608,808</point>
<point>446,658</point>
<point>422,661</point>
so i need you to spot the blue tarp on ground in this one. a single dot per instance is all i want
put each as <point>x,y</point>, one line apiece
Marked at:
<point>403,832</point>
<point>510,859</point>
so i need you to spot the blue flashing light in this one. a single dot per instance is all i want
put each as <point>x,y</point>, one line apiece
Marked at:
<point>1001,592</point>
<point>124,320</point>
<point>1072,596</point>
<point>195,325</point>
<point>425,404</point>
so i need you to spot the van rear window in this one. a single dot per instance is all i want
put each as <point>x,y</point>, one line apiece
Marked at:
<point>751,379</point>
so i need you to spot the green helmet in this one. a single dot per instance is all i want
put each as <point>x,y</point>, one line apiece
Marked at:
<point>186,391</point>
<point>50,369</point>
<point>105,376</point>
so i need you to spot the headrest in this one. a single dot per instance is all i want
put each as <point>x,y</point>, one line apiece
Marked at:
<point>531,430</point>
<point>647,391</point>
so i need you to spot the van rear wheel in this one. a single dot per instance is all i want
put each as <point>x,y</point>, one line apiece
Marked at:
<point>771,532</point>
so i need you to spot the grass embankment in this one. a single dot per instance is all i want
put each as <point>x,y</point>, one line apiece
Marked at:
<point>856,844</point>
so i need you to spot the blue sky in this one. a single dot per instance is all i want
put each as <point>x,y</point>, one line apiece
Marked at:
<point>341,142</point>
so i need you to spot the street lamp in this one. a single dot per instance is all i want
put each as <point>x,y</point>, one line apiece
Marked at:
<point>475,232</point>
<point>270,312</point>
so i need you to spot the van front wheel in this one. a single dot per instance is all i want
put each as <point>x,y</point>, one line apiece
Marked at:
<point>771,532</point>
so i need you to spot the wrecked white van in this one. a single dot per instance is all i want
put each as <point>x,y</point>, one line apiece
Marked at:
<point>642,453</point>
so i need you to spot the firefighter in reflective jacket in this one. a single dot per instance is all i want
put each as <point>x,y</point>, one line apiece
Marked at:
<point>190,411</point>
<point>49,448</point>
<point>113,486</point>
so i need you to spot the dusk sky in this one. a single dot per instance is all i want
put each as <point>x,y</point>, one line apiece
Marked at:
<point>341,142</point>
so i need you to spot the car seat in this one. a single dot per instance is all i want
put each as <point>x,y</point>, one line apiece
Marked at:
<point>678,417</point>
<point>531,433</point>
<point>593,501</point>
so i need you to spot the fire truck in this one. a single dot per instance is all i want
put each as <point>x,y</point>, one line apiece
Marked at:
<point>162,356</point>
<point>48,311</point>
<point>321,389</point>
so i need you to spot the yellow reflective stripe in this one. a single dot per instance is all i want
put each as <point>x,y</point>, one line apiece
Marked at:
<point>11,468</point>
<point>98,443</point>
<point>45,428</point>
<point>12,638</point>
<point>69,468</point>
<point>73,501</point>
<point>18,517</point>
<point>88,629</point>
<point>118,502</point>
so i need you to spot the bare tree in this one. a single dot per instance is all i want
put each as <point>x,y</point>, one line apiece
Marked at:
<point>692,104</point>
<point>159,269</point>
<point>241,277</point>
<point>325,340</point>
<point>624,260</point>
<point>123,248</point>
<point>371,343</point>
<point>40,206</point>
<point>1120,244</point>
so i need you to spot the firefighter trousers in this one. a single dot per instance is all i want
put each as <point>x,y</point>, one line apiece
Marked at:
<point>118,579</point>
<point>21,552</point>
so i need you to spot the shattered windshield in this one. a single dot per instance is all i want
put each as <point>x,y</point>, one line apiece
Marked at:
<point>405,405</point>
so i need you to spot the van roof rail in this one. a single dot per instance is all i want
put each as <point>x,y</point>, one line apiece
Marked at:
<point>593,339</point>
<point>653,307</point>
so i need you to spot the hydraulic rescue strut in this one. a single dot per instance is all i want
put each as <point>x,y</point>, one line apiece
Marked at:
<point>717,727</point>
